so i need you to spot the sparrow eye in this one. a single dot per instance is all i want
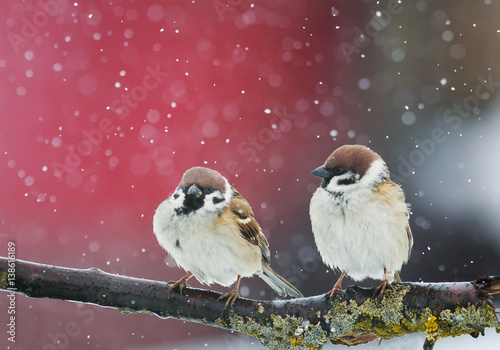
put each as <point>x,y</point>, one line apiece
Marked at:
<point>337,171</point>
<point>208,189</point>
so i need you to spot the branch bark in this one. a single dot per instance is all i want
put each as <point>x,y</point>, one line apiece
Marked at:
<point>437,309</point>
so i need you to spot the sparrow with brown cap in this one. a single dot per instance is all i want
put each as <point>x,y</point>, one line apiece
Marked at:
<point>359,217</point>
<point>211,232</point>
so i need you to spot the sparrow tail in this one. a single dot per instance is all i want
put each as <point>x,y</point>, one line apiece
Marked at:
<point>278,283</point>
<point>396,277</point>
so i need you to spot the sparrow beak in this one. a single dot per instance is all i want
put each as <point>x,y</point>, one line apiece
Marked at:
<point>194,191</point>
<point>321,172</point>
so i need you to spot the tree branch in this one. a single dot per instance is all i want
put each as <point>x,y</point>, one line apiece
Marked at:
<point>437,309</point>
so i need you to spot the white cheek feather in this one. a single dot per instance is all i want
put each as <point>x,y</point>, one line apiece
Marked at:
<point>209,204</point>
<point>376,173</point>
<point>357,231</point>
<point>177,202</point>
<point>212,253</point>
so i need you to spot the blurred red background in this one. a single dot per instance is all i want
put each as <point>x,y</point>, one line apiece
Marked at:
<point>105,104</point>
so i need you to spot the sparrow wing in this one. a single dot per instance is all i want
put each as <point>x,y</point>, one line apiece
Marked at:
<point>388,188</point>
<point>410,239</point>
<point>249,227</point>
<point>408,229</point>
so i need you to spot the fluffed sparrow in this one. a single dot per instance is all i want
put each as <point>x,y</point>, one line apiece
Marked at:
<point>359,217</point>
<point>211,232</point>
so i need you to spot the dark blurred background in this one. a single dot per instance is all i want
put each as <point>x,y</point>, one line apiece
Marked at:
<point>104,105</point>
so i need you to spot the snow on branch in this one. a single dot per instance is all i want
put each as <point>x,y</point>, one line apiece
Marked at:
<point>437,309</point>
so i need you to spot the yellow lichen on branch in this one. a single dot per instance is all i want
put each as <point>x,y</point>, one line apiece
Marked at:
<point>348,322</point>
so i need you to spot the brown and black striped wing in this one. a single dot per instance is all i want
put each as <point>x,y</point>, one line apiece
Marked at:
<point>249,227</point>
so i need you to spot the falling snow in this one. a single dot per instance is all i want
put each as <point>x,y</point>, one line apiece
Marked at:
<point>105,105</point>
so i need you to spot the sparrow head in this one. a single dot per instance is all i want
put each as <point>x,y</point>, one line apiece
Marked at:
<point>201,188</point>
<point>351,164</point>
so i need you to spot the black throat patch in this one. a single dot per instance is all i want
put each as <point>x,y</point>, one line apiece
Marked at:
<point>190,204</point>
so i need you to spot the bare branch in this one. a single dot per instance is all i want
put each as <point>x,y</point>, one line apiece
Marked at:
<point>437,309</point>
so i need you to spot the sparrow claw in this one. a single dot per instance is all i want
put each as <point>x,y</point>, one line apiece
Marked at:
<point>381,289</point>
<point>331,294</point>
<point>180,284</point>
<point>232,295</point>
<point>231,298</point>
<point>336,288</point>
<point>383,286</point>
<point>176,285</point>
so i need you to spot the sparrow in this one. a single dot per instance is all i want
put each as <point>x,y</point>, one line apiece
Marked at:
<point>359,218</point>
<point>211,232</point>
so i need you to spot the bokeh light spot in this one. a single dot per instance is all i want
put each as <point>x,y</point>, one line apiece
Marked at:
<point>128,33</point>
<point>408,118</point>
<point>57,67</point>
<point>94,246</point>
<point>29,180</point>
<point>210,129</point>
<point>21,91</point>
<point>205,48</point>
<point>87,85</point>
<point>139,164</point>
<point>398,55</point>
<point>230,111</point>
<point>326,109</point>
<point>153,116</point>
<point>148,133</point>
<point>447,35</point>
<point>56,141</point>
<point>113,161</point>
<point>364,84</point>
<point>155,13</point>
<point>29,55</point>
<point>275,80</point>
<point>276,162</point>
